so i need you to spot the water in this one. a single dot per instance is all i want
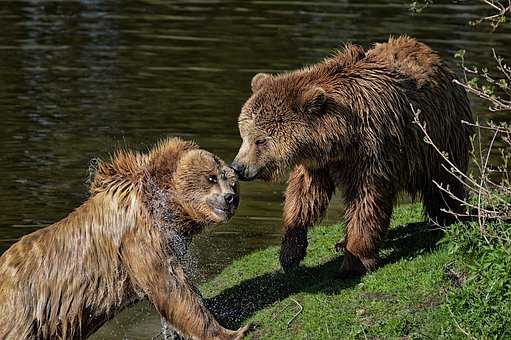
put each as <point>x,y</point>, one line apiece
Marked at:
<point>78,79</point>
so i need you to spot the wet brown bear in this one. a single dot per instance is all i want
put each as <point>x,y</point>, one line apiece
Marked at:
<point>347,122</point>
<point>123,244</point>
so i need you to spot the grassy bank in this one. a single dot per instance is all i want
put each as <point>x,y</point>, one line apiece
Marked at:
<point>418,293</point>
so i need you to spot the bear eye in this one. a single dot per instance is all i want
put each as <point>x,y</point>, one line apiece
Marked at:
<point>260,142</point>
<point>212,179</point>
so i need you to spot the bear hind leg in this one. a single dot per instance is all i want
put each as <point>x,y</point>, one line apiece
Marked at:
<point>440,206</point>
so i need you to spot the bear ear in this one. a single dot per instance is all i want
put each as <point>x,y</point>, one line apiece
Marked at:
<point>313,100</point>
<point>164,157</point>
<point>259,80</point>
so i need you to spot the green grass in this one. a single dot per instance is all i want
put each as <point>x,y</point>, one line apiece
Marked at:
<point>405,298</point>
<point>482,304</point>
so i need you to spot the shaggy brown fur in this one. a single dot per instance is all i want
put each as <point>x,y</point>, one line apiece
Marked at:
<point>347,122</point>
<point>123,244</point>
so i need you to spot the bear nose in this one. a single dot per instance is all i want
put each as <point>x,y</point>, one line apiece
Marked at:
<point>239,169</point>
<point>230,198</point>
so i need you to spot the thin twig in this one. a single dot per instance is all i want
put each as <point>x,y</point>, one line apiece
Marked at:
<point>493,128</point>
<point>498,104</point>
<point>422,126</point>
<point>464,202</point>
<point>297,313</point>
<point>458,325</point>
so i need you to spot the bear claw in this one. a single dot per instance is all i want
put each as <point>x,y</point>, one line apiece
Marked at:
<point>340,246</point>
<point>244,331</point>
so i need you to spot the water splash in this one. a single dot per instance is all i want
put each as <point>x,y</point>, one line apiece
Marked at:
<point>168,332</point>
<point>164,329</point>
<point>176,244</point>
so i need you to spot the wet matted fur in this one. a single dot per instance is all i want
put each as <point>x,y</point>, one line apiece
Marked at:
<point>347,123</point>
<point>123,244</point>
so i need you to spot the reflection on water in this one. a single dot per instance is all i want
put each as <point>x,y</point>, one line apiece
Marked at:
<point>78,79</point>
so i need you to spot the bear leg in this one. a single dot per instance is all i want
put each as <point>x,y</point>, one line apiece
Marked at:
<point>168,288</point>
<point>293,248</point>
<point>307,196</point>
<point>368,216</point>
<point>436,201</point>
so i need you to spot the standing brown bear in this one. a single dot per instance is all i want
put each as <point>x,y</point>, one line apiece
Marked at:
<point>126,242</point>
<point>347,122</point>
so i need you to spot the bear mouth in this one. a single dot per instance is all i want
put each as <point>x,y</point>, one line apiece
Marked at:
<point>245,173</point>
<point>247,178</point>
<point>221,211</point>
<point>224,213</point>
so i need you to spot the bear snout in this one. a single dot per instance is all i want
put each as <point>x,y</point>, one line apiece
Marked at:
<point>239,169</point>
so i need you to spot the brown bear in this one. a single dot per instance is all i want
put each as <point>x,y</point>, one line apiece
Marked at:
<point>124,243</point>
<point>347,122</point>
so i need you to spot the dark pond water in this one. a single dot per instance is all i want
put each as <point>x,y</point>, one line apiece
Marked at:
<point>78,79</point>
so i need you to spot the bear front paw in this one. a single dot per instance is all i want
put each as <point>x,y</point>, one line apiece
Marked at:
<point>293,248</point>
<point>244,331</point>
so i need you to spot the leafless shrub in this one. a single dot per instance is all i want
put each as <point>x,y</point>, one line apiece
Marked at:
<point>501,11</point>
<point>488,184</point>
<point>494,88</point>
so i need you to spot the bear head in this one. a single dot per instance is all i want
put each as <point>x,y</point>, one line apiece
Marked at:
<point>201,184</point>
<point>276,125</point>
